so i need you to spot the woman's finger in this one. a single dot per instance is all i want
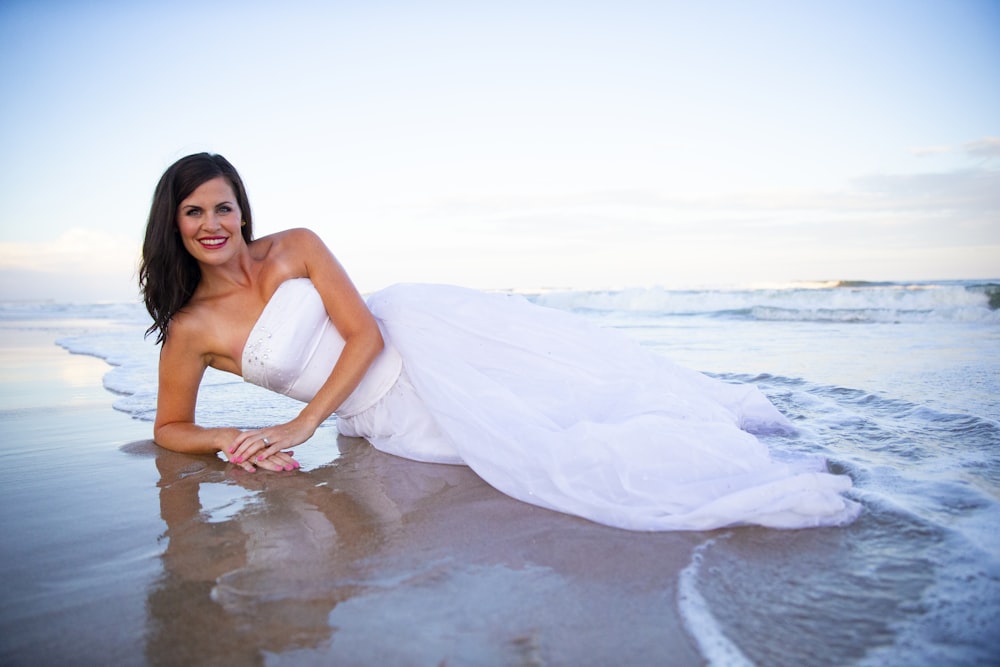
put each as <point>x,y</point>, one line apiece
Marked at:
<point>279,458</point>
<point>268,464</point>
<point>284,460</point>
<point>279,463</point>
<point>267,449</point>
<point>250,447</point>
<point>239,444</point>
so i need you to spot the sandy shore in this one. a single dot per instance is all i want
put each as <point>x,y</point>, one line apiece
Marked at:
<point>117,552</point>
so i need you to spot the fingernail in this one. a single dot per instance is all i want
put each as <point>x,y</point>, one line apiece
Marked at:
<point>260,458</point>
<point>238,459</point>
<point>289,468</point>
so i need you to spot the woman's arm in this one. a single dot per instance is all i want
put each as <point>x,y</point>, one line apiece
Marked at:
<point>181,369</point>
<point>307,256</point>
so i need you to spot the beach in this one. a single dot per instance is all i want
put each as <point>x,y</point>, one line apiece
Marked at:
<point>119,552</point>
<point>78,545</point>
<point>116,551</point>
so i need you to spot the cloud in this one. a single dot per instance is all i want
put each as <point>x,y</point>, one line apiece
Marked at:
<point>988,147</point>
<point>882,226</point>
<point>975,190</point>
<point>89,251</point>
<point>924,151</point>
<point>77,265</point>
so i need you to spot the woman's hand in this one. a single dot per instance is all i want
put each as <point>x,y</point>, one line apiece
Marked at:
<point>280,462</point>
<point>263,447</point>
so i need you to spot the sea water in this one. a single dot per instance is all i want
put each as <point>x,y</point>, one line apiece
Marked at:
<point>896,384</point>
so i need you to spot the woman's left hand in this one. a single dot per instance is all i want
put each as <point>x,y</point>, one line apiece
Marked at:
<point>258,445</point>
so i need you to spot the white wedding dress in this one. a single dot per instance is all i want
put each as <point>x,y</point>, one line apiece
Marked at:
<point>551,410</point>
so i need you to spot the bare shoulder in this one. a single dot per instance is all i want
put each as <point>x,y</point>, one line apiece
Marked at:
<point>301,235</point>
<point>190,331</point>
<point>290,245</point>
<point>307,245</point>
<point>288,239</point>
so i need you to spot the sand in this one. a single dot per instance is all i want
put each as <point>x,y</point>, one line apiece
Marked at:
<point>115,551</point>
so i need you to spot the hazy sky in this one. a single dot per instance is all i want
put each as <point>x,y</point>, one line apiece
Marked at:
<point>514,144</point>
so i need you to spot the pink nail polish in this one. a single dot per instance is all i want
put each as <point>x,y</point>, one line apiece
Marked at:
<point>238,460</point>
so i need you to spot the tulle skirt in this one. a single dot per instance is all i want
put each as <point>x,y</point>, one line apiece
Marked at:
<point>555,411</point>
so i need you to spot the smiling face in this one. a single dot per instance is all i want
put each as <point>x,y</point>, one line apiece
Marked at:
<point>209,222</point>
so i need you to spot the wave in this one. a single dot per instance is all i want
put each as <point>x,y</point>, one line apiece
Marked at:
<point>815,301</point>
<point>698,620</point>
<point>833,301</point>
<point>21,311</point>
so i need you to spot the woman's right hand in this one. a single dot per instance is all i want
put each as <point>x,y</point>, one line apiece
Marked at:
<point>276,462</point>
<point>260,445</point>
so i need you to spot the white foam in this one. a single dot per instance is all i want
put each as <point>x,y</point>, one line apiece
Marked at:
<point>698,620</point>
<point>870,303</point>
<point>960,612</point>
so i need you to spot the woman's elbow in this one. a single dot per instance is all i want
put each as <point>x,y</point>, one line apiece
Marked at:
<point>368,333</point>
<point>169,436</point>
<point>161,436</point>
<point>378,342</point>
<point>374,342</point>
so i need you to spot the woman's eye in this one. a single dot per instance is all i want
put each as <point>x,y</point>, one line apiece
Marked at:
<point>192,212</point>
<point>225,209</point>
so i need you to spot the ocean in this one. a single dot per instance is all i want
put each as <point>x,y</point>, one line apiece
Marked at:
<point>896,384</point>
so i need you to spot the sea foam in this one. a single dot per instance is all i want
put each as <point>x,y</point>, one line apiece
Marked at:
<point>882,302</point>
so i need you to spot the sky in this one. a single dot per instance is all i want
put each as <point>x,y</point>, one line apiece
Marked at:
<point>515,144</point>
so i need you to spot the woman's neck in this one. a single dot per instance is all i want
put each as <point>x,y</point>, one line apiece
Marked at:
<point>240,272</point>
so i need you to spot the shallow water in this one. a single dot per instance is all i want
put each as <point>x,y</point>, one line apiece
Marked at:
<point>908,407</point>
<point>899,386</point>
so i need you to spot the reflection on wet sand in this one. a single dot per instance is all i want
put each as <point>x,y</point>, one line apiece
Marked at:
<point>265,577</point>
<point>377,559</point>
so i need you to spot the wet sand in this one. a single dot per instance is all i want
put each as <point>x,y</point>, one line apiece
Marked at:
<point>115,551</point>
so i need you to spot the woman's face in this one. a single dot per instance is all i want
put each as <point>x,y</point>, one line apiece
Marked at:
<point>209,221</point>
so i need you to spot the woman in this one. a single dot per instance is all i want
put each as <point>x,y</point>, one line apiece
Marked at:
<point>542,405</point>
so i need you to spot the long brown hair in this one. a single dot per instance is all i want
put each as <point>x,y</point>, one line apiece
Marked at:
<point>168,274</point>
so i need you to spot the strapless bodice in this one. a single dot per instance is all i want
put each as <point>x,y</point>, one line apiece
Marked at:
<point>294,346</point>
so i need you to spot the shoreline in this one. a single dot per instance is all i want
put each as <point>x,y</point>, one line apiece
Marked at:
<point>118,551</point>
<point>124,552</point>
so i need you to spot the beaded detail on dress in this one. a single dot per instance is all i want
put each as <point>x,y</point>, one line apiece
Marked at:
<point>294,346</point>
<point>257,350</point>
